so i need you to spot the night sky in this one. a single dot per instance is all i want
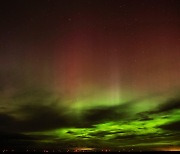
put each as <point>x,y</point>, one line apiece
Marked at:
<point>90,73</point>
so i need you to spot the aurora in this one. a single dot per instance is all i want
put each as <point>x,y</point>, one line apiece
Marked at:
<point>86,74</point>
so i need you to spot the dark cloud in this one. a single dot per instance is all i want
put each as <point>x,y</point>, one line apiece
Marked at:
<point>121,112</point>
<point>70,132</point>
<point>170,105</point>
<point>19,140</point>
<point>36,118</point>
<point>126,137</point>
<point>104,133</point>
<point>41,118</point>
<point>99,133</point>
<point>5,119</point>
<point>174,126</point>
<point>101,114</point>
<point>14,136</point>
<point>143,116</point>
<point>11,128</point>
<point>8,123</point>
<point>39,112</point>
<point>15,139</point>
<point>107,113</point>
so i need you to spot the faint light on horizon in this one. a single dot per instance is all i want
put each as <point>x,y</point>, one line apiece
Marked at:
<point>169,149</point>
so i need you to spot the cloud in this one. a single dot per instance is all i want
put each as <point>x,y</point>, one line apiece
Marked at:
<point>102,114</point>
<point>40,111</point>
<point>34,109</point>
<point>170,105</point>
<point>14,136</point>
<point>15,139</point>
<point>124,112</point>
<point>104,133</point>
<point>8,123</point>
<point>143,116</point>
<point>43,118</point>
<point>133,136</point>
<point>34,118</point>
<point>174,126</point>
<point>163,108</point>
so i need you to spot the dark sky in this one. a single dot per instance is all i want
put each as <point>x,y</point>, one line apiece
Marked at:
<point>82,72</point>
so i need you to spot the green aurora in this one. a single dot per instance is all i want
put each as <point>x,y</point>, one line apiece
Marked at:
<point>90,73</point>
<point>145,122</point>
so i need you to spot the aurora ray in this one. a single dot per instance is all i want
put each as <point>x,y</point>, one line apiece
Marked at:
<point>90,74</point>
